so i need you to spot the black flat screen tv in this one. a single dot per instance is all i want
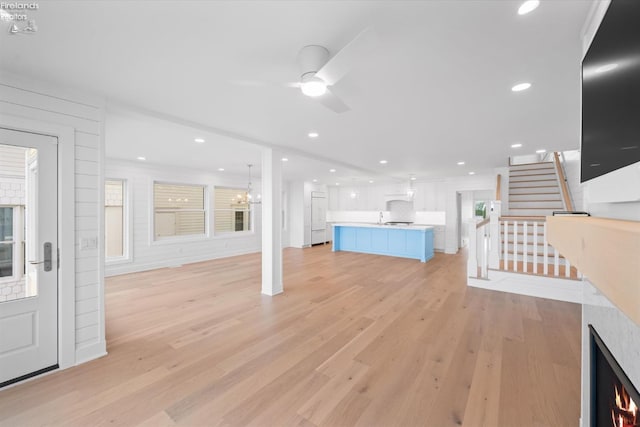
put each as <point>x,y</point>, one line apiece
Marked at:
<point>611,93</point>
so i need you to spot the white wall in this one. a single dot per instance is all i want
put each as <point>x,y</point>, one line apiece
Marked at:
<point>84,116</point>
<point>146,254</point>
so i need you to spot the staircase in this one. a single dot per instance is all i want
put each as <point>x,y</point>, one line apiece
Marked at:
<point>534,193</point>
<point>534,190</point>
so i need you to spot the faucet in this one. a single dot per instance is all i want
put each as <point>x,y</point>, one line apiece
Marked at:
<point>381,217</point>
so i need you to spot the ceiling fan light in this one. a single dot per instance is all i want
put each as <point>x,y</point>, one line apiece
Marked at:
<point>313,88</point>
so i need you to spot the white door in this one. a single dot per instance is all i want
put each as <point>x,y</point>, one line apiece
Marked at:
<point>28,255</point>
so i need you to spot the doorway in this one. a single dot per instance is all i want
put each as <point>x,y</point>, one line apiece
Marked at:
<point>28,255</point>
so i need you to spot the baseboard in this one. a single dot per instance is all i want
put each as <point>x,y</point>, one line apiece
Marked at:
<point>90,352</point>
<point>132,267</point>
<point>535,286</point>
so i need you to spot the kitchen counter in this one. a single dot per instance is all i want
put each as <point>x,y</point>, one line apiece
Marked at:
<point>376,225</point>
<point>406,241</point>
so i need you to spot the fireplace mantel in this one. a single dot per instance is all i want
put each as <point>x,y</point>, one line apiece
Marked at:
<point>606,251</point>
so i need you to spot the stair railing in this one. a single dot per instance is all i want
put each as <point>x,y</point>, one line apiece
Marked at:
<point>519,242</point>
<point>562,180</point>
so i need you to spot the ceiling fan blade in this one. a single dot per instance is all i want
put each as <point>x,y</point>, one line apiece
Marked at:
<point>343,61</point>
<point>332,102</point>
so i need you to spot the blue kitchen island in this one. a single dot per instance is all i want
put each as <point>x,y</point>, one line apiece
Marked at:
<point>406,241</point>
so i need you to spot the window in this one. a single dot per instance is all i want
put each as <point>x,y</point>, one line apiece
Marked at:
<point>6,242</point>
<point>179,210</point>
<point>114,219</point>
<point>232,211</point>
<point>11,243</point>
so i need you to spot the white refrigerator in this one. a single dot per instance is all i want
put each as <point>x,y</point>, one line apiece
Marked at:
<point>318,217</point>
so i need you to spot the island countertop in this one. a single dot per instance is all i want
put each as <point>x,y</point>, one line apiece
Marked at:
<point>405,241</point>
<point>383,226</point>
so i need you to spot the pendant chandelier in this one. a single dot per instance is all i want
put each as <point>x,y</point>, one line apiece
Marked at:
<point>249,195</point>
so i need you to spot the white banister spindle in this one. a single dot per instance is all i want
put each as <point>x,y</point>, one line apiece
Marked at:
<point>494,237</point>
<point>567,268</point>
<point>505,244</point>
<point>535,247</point>
<point>515,245</point>
<point>545,251</point>
<point>472,258</point>
<point>525,251</point>
<point>556,262</point>
<point>483,251</point>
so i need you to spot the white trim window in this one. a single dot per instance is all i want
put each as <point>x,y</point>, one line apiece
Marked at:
<point>232,211</point>
<point>179,210</point>
<point>116,222</point>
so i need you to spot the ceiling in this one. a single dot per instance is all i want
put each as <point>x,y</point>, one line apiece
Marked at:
<point>436,90</point>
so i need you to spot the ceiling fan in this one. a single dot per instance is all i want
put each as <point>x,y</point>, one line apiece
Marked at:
<point>319,70</point>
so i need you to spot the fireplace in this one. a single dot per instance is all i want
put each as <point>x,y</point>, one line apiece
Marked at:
<point>614,399</point>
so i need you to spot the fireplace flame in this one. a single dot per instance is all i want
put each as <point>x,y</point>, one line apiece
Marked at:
<point>625,414</point>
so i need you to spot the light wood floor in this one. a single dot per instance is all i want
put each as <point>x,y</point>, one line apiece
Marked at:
<point>356,339</point>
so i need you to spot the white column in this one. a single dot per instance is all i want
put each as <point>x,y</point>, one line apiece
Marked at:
<point>271,222</point>
<point>472,255</point>
<point>494,234</point>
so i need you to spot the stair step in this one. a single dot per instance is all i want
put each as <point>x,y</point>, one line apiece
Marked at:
<point>530,185</point>
<point>549,254</point>
<point>535,179</point>
<point>536,172</point>
<point>535,198</point>
<point>553,189</point>
<point>519,234</point>
<point>536,205</point>
<point>520,242</point>
<point>532,170</point>
<point>532,165</point>
<point>539,270</point>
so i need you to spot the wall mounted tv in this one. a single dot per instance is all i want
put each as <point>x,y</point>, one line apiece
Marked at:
<point>611,92</point>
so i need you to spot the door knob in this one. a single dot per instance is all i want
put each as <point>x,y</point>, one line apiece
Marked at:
<point>47,258</point>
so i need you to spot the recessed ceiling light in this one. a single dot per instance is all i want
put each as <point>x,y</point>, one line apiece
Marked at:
<point>413,178</point>
<point>521,86</point>
<point>313,134</point>
<point>221,169</point>
<point>541,151</point>
<point>337,183</point>
<point>199,140</point>
<point>460,163</point>
<point>332,170</point>
<point>606,68</point>
<point>314,180</point>
<point>284,159</point>
<point>528,6</point>
<point>517,145</point>
<point>472,173</point>
<point>383,162</point>
<point>141,158</point>
<point>370,181</point>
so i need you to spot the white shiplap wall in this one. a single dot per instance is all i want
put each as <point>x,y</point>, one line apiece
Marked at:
<point>146,254</point>
<point>46,103</point>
